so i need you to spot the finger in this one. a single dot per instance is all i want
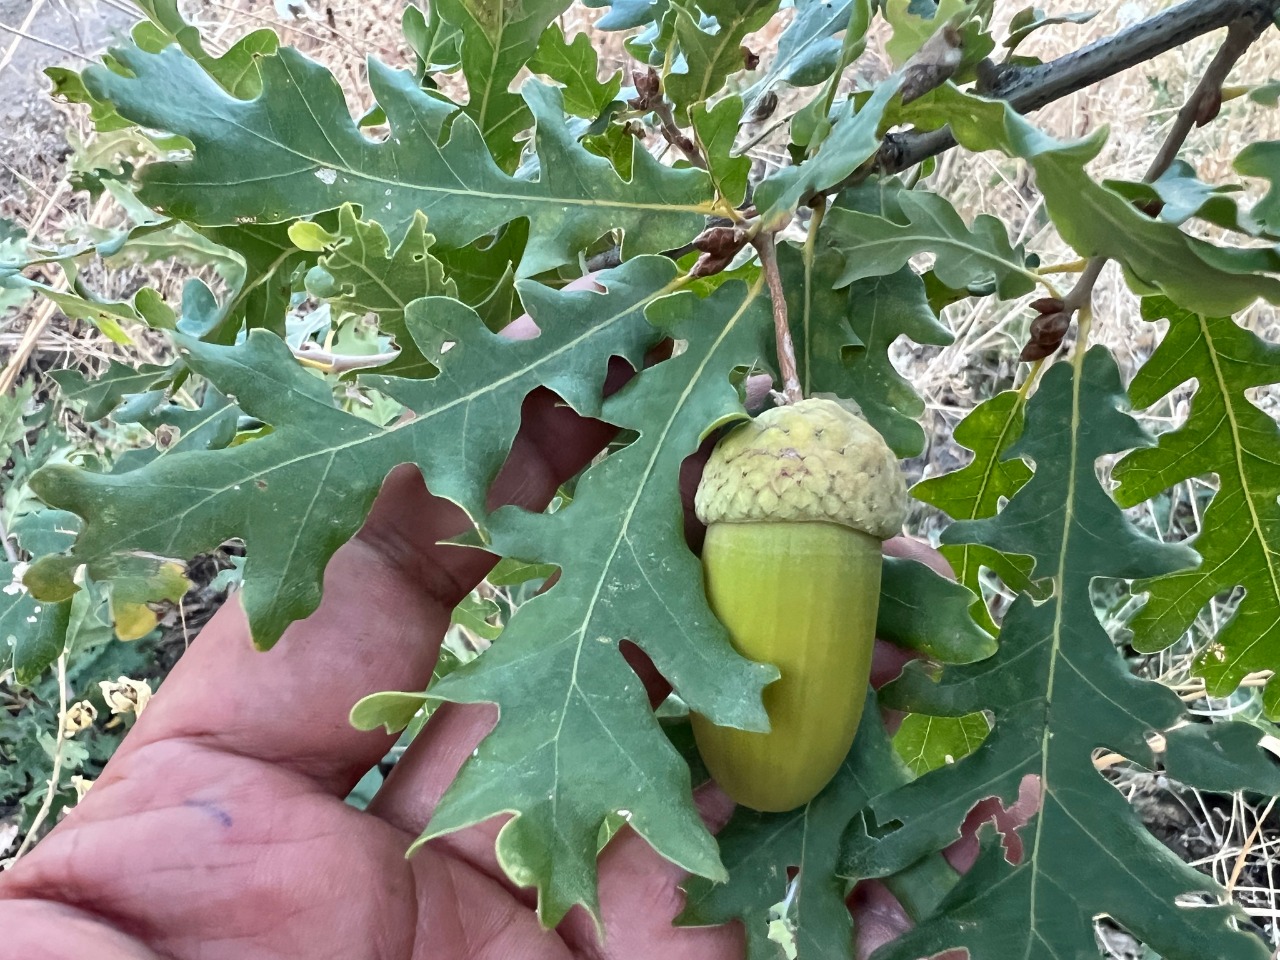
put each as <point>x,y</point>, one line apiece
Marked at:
<point>888,659</point>
<point>878,917</point>
<point>757,392</point>
<point>640,897</point>
<point>910,548</point>
<point>387,600</point>
<point>964,852</point>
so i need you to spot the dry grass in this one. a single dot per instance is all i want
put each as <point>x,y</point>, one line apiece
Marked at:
<point>1138,106</point>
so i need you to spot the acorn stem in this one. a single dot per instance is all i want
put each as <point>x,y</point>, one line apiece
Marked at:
<point>787,370</point>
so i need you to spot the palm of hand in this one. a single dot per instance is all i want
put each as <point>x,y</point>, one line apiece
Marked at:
<point>262,862</point>
<point>218,830</point>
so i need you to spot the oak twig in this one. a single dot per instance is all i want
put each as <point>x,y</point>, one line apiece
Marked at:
<point>791,393</point>
<point>674,135</point>
<point>1030,88</point>
<point>1202,104</point>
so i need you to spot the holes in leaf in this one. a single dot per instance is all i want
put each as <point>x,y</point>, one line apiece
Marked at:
<point>1266,399</point>
<point>1008,820</point>
<point>1115,941</point>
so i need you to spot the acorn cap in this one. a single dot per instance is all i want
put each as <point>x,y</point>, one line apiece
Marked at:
<point>814,460</point>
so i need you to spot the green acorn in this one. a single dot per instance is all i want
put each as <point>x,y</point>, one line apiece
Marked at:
<point>797,503</point>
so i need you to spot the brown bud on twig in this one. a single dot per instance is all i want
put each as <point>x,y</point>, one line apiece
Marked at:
<point>719,245</point>
<point>1048,305</point>
<point>1209,107</point>
<point>1047,332</point>
<point>1049,327</point>
<point>648,88</point>
<point>1037,351</point>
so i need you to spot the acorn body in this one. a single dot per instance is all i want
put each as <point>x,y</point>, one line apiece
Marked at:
<point>796,504</point>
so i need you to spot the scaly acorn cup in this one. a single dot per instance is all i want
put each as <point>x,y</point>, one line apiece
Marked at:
<point>797,503</point>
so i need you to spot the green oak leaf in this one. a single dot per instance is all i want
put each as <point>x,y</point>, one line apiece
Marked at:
<point>616,144</point>
<point>68,87</point>
<point>511,572</point>
<point>716,129</point>
<point>709,36</point>
<point>14,408</point>
<point>35,631</point>
<point>96,398</point>
<point>625,14</point>
<point>976,491</point>
<point>854,139</point>
<point>924,611</point>
<point>484,273</point>
<point>1096,221</point>
<point>1239,538</point>
<point>1267,94</point>
<point>474,613</point>
<point>926,743</point>
<point>498,39</point>
<point>236,70</point>
<point>359,274</point>
<point>392,710</point>
<point>578,740</point>
<point>1058,690</point>
<point>575,66</point>
<point>910,30</point>
<point>436,44</point>
<point>1263,160</point>
<point>1182,195</point>
<point>294,151</point>
<point>965,256</point>
<point>178,429</point>
<point>466,417</point>
<point>808,49</point>
<point>842,337</point>
<point>106,315</point>
<point>41,531</point>
<point>1030,19</point>
<point>262,297</point>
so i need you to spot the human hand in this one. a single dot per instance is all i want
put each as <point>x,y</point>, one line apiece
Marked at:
<point>219,830</point>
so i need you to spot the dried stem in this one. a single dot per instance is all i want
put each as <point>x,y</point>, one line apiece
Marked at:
<point>1241,35</point>
<point>791,392</point>
<point>1238,867</point>
<point>55,776</point>
<point>340,362</point>
<point>10,554</point>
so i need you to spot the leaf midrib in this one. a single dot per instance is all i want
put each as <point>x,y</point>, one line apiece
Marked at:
<point>343,167</point>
